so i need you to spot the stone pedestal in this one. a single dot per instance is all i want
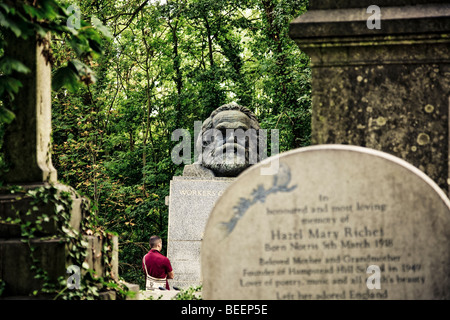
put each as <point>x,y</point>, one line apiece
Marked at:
<point>17,261</point>
<point>190,203</point>
<point>386,89</point>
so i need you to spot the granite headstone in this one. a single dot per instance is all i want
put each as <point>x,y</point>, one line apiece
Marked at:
<point>190,203</point>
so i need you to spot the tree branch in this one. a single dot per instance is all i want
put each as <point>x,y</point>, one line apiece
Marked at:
<point>132,17</point>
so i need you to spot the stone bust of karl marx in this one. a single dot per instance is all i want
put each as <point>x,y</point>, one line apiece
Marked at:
<point>228,143</point>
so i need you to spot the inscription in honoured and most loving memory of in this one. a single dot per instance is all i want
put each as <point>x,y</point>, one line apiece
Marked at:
<point>318,230</point>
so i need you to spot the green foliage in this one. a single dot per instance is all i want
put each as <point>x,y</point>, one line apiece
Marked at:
<point>24,19</point>
<point>2,287</point>
<point>166,67</point>
<point>192,293</point>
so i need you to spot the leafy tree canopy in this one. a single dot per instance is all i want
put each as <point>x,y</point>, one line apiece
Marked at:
<point>134,71</point>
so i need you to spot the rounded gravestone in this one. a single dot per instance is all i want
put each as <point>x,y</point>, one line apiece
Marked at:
<point>334,222</point>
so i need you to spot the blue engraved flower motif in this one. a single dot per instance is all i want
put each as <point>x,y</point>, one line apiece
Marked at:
<point>259,194</point>
<point>279,184</point>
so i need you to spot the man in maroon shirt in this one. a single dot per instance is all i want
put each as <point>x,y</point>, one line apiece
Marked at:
<point>156,267</point>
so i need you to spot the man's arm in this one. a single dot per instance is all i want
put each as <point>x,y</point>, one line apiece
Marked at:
<point>143,265</point>
<point>169,270</point>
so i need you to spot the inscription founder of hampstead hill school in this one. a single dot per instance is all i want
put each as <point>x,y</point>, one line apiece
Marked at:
<point>313,230</point>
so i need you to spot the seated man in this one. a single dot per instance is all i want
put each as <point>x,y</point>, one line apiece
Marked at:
<point>156,267</point>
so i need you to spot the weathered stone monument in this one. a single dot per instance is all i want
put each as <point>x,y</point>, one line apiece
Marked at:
<point>193,195</point>
<point>27,149</point>
<point>335,222</point>
<point>380,77</point>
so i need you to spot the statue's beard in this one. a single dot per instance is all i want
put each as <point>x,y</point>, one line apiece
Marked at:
<point>227,160</point>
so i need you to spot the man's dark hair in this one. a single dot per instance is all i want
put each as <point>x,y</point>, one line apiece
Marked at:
<point>154,240</point>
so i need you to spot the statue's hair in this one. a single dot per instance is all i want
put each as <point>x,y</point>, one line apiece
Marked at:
<point>208,123</point>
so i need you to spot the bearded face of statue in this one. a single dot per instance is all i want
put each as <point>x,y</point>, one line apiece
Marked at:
<point>231,145</point>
